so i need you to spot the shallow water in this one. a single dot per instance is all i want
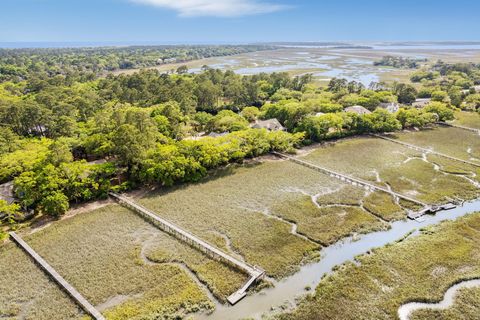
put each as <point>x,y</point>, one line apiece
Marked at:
<point>449,298</point>
<point>288,289</point>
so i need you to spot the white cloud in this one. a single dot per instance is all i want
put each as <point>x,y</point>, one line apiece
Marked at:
<point>218,8</point>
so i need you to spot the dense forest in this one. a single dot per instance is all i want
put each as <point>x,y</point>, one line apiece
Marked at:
<point>84,64</point>
<point>67,139</point>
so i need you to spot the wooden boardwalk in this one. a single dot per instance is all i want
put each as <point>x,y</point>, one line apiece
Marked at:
<point>426,208</point>
<point>353,181</point>
<point>254,272</point>
<point>417,148</point>
<point>477,131</point>
<point>74,294</point>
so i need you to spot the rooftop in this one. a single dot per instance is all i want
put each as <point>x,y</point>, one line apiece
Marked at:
<point>270,124</point>
<point>358,110</point>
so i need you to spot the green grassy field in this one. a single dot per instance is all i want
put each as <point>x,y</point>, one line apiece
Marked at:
<point>466,306</point>
<point>451,141</point>
<point>245,204</point>
<point>467,119</point>
<point>124,266</point>
<point>235,202</point>
<point>27,293</point>
<point>327,224</point>
<point>420,268</point>
<point>401,168</point>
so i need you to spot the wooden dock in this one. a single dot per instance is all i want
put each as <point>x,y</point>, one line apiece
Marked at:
<point>254,272</point>
<point>477,131</point>
<point>72,292</point>
<point>414,215</point>
<point>426,208</point>
<point>417,148</point>
<point>351,180</point>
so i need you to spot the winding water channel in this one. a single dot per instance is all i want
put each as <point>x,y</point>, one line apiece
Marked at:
<point>286,290</point>
<point>449,298</point>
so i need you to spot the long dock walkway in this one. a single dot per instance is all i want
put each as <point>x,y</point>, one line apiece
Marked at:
<point>254,272</point>
<point>459,127</point>
<point>417,148</point>
<point>79,299</point>
<point>354,181</point>
<point>426,208</point>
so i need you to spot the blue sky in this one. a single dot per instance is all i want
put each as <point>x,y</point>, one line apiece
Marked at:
<point>234,21</point>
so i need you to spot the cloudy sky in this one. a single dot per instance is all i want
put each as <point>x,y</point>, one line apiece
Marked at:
<point>236,21</point>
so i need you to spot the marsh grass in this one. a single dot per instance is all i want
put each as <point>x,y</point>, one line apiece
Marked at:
<point>253,211</point>
<point>104,255</point>
<point>420,180</point>
<point>466,306</point>
<point>26,292</point>
<point>244,203</point>
<point>328,224</point>
<point>236,204</point>
<point>467,119</point>
<point>419,268</point>
<point>345,194</point>
<point>454,142</point>
<point>406,171</point>
<point>383,205</point>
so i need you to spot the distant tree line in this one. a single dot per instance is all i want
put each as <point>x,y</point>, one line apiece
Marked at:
<point>84,64</point>
<point>400,62</point>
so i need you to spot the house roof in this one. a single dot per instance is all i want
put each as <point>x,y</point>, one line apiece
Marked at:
<point>358,110</point>
<point>391,107</point>
<point>420,103</point>
<point>6,192</point>
<point>270,124</point>
<point>216,134</point>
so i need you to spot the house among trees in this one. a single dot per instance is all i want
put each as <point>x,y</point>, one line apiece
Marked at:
<point>358,110</point>
<point>216,134</point>
<point>169,60</point>
<point>391,107</point>
<point>421,103</point>
<point>6,192</point>
<point>270,125</point>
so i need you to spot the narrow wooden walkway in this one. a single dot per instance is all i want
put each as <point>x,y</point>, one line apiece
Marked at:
<point>353,181</point>
<point>79,299</point>
<point>254,272</point>
<point>426,208</point>
<point>417,148</point>
<point>477,131</point>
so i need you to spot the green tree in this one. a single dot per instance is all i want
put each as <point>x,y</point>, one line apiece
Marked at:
<point>382,121</point>
<point>472,102</point>
<point>129,145</point>
<point>250,113</point>
<point>9,212</point>
<point>440,96</point>
<point>54,204</point>
<point>406,93</point>
<point>182,69</point>
<point>227,121</point>
<point>443,112</point>
<point>59,152</point>
<point>317,128</point>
